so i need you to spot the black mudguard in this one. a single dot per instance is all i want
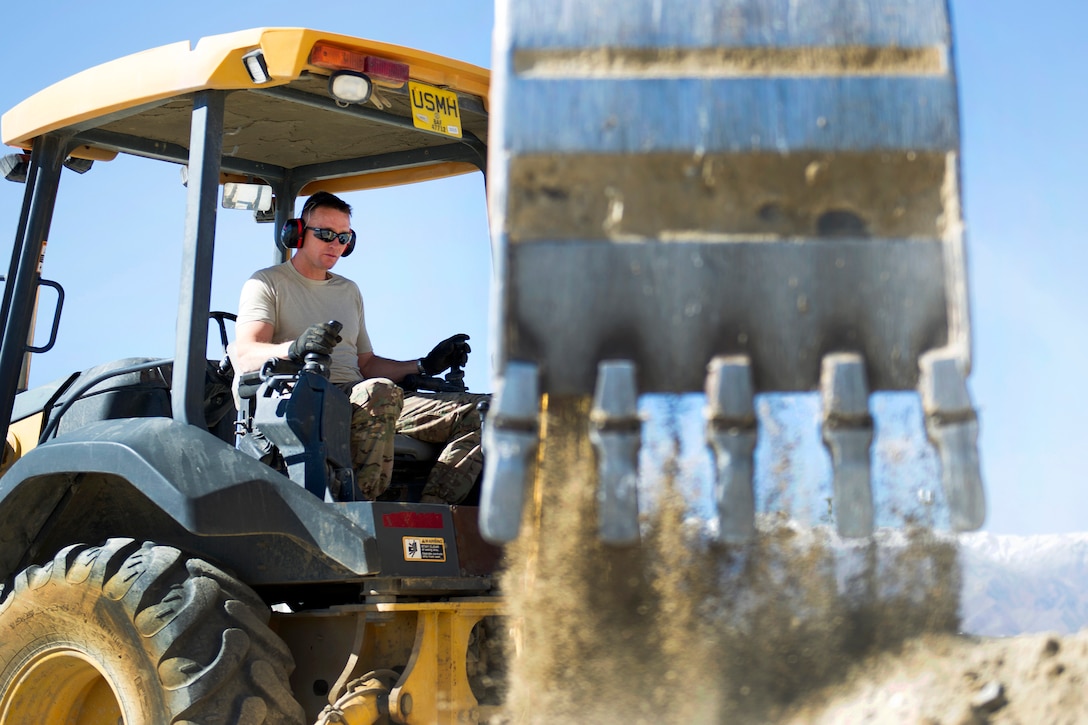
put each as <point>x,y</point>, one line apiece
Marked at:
<point>159,479</point>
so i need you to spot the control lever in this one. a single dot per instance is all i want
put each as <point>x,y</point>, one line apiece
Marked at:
<point>313,362</point>
<point>456,377</point>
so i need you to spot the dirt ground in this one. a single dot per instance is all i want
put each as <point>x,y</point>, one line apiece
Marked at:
<point>792,628</point>
<point>955,680</point>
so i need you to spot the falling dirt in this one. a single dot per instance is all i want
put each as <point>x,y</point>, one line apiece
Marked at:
<point>794,627</point>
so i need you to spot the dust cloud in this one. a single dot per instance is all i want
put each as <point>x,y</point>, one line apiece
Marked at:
<point>679,629</point>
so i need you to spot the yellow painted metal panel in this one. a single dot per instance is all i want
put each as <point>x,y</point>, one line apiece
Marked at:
<point>382,179</point>
<point>22,436</point>
<point>214,63</point>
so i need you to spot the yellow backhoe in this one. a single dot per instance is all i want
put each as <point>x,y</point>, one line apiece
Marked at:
<point>728,198</point>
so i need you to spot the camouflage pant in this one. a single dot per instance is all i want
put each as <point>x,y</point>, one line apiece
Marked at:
<point>450,419</point>
<point>380,409</point>
<point>375,406</point>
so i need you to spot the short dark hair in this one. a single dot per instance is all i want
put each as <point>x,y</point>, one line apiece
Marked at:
<point>325,199</point>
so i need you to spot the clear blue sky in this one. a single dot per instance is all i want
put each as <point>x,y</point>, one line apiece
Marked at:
<point>424,260</point>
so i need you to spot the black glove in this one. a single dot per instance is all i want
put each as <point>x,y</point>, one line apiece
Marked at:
<point>320,338</point>
<point>453,351</point>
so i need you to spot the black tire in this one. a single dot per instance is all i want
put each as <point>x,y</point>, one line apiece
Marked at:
<point>140,634</point>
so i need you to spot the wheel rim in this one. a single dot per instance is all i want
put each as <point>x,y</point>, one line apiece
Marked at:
<point>61,686</point>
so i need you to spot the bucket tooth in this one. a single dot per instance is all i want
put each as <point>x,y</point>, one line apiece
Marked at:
<point>952,426</point>
<point>731,434</point>
<point>615,432</point>
<point>510,440</point>
<point>848,435</point>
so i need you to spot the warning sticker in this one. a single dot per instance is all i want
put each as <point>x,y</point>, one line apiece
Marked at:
<point>424,548</point>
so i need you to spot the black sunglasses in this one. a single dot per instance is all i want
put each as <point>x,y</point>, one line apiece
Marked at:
<point>328,235</point>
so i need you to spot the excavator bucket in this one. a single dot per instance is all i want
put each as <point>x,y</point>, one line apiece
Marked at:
<point>735,197</point>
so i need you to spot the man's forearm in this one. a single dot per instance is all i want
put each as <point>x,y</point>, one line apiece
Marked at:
<point>251,355</point>
<point>383,367</point>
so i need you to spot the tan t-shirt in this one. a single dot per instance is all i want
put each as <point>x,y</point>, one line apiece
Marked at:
<point>289,302</point>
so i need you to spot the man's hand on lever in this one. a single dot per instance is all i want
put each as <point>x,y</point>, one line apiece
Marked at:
<point>315,344</point>
<point>451,351</point>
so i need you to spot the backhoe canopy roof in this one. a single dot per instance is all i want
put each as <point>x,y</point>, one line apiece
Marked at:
<point>281,125</point>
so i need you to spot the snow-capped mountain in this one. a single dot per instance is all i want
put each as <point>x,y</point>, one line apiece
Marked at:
<point>1023,584</point>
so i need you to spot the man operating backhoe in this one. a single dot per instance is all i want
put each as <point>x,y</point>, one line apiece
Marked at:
<point>285,312</point>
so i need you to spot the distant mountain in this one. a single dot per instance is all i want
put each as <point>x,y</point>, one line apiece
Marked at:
<point>1024,584</point>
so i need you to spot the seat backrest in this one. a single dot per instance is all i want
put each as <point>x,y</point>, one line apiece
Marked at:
<point>414,449</point>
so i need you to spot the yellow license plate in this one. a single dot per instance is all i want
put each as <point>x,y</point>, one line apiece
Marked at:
<point>435,109</point>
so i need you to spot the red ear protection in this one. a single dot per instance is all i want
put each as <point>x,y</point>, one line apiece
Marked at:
<point>293,229</point>
<point>291,234</point>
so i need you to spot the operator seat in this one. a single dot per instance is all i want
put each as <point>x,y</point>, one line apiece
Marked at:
<point>410,448</point>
